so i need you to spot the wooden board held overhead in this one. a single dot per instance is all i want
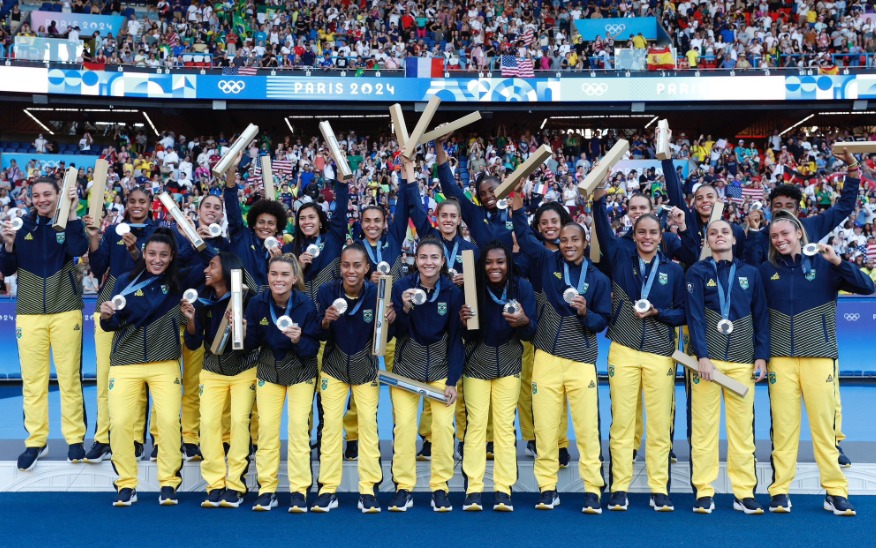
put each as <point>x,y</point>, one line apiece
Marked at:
<point>62,210</point>
<point>410,147</point>
<point>98,189</point>
<point>450,127</point>
<point>250,133</point>
<point>398,123</point>
<point>344,171</point>
<point>524,170</point>
<point>717,377</point>
<point>855,147</point>
<point>470,287</point>
<point>603,168</point>
<point>268,178</point>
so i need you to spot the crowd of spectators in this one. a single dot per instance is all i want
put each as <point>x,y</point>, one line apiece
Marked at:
<point>744,172</point>
<point>379,35</point>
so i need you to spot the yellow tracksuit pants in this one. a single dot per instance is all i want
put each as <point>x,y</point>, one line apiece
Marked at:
<point>425,428</point>
<point>103,345</point>
<point>43,338</point>
<point>839,405</point>
<point>192,363</point>
<point>552,379</point>
<point>501,396</point>
<point>631,373</point>
<point>125,387</point>
<point>238,392</point>
<point>299,398</point>
<point>334,402</point>
<point>810,381</point>
<point>351,426</point>
<point>404,461</point>
<point>524,403</point>
<point>705,414</point>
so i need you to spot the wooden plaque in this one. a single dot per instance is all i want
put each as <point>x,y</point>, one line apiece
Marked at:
<point>268,178</point>
<point>98,189</point>
<point>717,377</point>
<point>62,210</point>
<point>470,286</point>
<point>381,326</point>
<point>524,170</point>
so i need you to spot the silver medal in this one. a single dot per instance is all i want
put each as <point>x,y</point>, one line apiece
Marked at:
<point>340,305</point>
<point>271,243</point>
<point>418,297</point>
<point>123,228</point>
<point>451,272</point>
<point>284,323</point>
<point>312,250</point>
<point>569,294</point>
<point>502,204</point>
<point>215,230</point>
<point>383,267</point>
<point>190,295</point>
<point>642,306</point>
<point>810,250</point>
<point>511,307</point>
<point>725,327</point>
<point>16,223</point>
<point>119,302</point>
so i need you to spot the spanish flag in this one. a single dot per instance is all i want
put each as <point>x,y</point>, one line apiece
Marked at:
<point>660,59</point>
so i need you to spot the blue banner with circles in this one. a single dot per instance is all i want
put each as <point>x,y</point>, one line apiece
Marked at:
<point>621,29</point>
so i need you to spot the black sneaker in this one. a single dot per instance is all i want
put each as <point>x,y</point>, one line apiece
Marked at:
<point>98,452</point>
<point>672,456</point>
<point>425,451</point>
<point>76,453</point>
<point>592,504</point>
<point>843,460</point>
<point>565,457</point>
<point>618,501</point>
<point>153,456</point>
<point>28,459</point>
<point>352,450</point>
<point>548,500</point>
<point>472,503</point>
<point>191,453</point>
<point>402,500</point>
<point>265,502</point>
<point>298,504</point>
<point>231,499</point>
<point>214,499</point>
<point>125,497</point>
<point>460,450</point>
<point>748,505</point>
<point>368,504</point>
<point>780,504</point>
<point>531,450</point>
<point>840,506</point>
<point>705,505</point>
<point>661,503</point>
<point>138,450</point>
<point>440,502</point>
<point>490,452</point>
<point>324,503</point>
<point>167,497</point>
<point>503,502</point>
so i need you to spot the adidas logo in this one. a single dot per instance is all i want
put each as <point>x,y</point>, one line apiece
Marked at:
<point>558,275</point>
<point>120,242</point>
<point>29,236</point>
<point>670,372</point>
<point>711,284</point>
<point>76,327</point>
<point>592,384</point>
<point>176,381</point>
<point>264,321</point>
<point>775,276</point>
<point>139,293</point>
<point>829,378</point>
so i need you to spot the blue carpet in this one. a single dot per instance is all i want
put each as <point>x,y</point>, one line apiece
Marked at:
<point>89,519</point>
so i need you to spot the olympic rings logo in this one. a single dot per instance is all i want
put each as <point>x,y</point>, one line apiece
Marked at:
<point>232,86</point>
<point>852,316</point>
<point>594,89</point>
<point>615,30</point>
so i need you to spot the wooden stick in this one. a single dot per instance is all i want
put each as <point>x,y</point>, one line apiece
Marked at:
<point>98,189</point>
<point>717,213</point>
<point>182,222</point>
<point>717,377</point>
<point>450,127</point>
<point>524,170</point>
<point>599,171</point>
<point>220,341</point>
<point>268,178</point>
<point>398,123</point>
<point>471,292</point>
<point>381,327</point>
<point>417,387</point>
<point>344,172</point>
<point>237,309</point>
<point>423,123</point>
<point>595,250</point>
<point>245,139</point>
<point>62,210</point>
<point>663,135</point>
<point>855,147</point>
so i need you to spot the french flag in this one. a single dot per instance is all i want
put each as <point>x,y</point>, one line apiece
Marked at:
<point>540,188</point>
<point>424,67</point>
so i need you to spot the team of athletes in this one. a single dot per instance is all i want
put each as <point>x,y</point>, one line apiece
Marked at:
<point>761,305</point>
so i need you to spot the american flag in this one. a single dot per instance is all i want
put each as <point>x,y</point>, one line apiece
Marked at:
<point>513,66</point>
<point>282,166</point>
<point>871,253</point>
<point>240,71</point>
<point>528,36</point>
<point>738,194</point>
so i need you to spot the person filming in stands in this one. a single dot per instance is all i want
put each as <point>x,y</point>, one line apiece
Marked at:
<point>729,332</point>
<point>145,318</point>
<point>647,306</point>
<point>48,318</point>
<point>428,349</point>
<point>801,282</point>
<point>347,309</point>
<point>506,312</point>
<point>281,323</point>
<point>577,306</point>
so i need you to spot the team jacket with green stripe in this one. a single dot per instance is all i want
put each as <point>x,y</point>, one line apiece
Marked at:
<point>112,259</point>
<point>347,355</point>
<point>803,305</point>
<point>43,258</point>
<point>428,338</point>
<point>495,351</point>
<point>750,339</point>
<point>561,331</point>
<point>280,360</point>
<point>147,329</point>
<point>208,317</point>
